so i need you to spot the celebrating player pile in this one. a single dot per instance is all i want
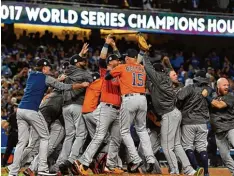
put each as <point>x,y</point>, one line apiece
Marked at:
<point>96,113</point>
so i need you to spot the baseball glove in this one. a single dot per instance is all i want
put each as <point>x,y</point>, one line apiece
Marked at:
<point>142,42</point>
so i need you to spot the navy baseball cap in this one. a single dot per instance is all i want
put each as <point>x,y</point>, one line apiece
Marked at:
<point>131,53</point>
<point>65,65</point>
<point>201,77</point>
<point>76,58</point>
<point>112,57</point>
<point>43,62</point>
<point>95,76</point>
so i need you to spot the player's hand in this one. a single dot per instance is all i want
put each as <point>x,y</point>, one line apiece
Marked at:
<point>84,49</point>
<point>113,45</point>
<point>62,77</point>
<point>204,93</point>
<point>85,84</point>
<point>109,39</point>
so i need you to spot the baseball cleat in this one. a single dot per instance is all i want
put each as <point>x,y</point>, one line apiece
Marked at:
<point>28,172</point>
<point>199,172</point>
<point>63,169</point>
<point>80,168</point>
<point>149,167</point>
<point>134,167</point>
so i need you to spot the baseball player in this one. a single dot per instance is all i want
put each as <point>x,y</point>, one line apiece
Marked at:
<point>72,111</point>
<point>91,102</point>
<point>106,116</point>
<point>195,115</point>
<point>222,121</point>
<point>164,102</point>
<point>51,109</point>
<point>27,114</point>
<point>33,146</point>
<point>132,78</point>
<point>175,82</point>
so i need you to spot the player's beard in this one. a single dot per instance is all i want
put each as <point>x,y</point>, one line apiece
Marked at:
<point>223,91</point>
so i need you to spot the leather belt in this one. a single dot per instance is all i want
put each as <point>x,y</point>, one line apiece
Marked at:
<point>133,94</point>
<point>112,106</point>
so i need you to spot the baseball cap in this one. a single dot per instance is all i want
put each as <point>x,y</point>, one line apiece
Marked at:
<point>131,53</point>
<point>201,76</point>
<point>95,76</point>
<point>112,57</point>
<point>43,62</point>
<point>76,58</point>
<point>65,65</point>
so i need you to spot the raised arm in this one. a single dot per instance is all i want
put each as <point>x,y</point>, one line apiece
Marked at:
<point>104,51</point>
<point>151,73</point>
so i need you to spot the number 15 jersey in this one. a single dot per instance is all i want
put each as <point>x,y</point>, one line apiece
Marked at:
<point>131,78</point>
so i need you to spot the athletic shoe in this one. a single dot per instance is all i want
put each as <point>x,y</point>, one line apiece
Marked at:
<point>149,167</point>
<point>98,164</point>
<point>46,173</point>
<point>80,168</point>
<point>199,172</point>
<point>73,170</point>
<point>134,167</point>
<point>206,174</point>
<point>7,170</point>
<point>29,172</point>
<point>63,169</point>
<point>108,170</point>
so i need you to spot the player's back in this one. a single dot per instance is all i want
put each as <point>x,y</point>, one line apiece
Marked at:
<point>132,79</point>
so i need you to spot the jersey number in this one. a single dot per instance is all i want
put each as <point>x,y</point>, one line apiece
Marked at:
<point>137,79</point>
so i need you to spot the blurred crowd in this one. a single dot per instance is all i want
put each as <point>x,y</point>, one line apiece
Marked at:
<point>19,55</point>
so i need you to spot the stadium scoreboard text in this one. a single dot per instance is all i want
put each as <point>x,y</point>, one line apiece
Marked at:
<point>159,22</point>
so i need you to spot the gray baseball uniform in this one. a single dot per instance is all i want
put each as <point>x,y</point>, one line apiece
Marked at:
<point>32,148</point>
<point>74,122</point>
<point>194,137</point>
<point>57,134</point>
<point>91,121</point>
<point>223,141</point>
<point>133,108</point>
<point>164,100</point>
<point>222,122</point>
<point>195,114</point>
<point>27,114</point>
<point>106,118</point>
<point>155,142</point>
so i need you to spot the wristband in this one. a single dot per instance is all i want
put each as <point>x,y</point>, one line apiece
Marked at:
<point>106,45</point>
<point>142,53</point>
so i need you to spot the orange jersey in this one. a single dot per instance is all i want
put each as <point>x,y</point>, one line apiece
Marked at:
<point>92,96</point>
<point>132,78</point>
<point>110,90</point>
